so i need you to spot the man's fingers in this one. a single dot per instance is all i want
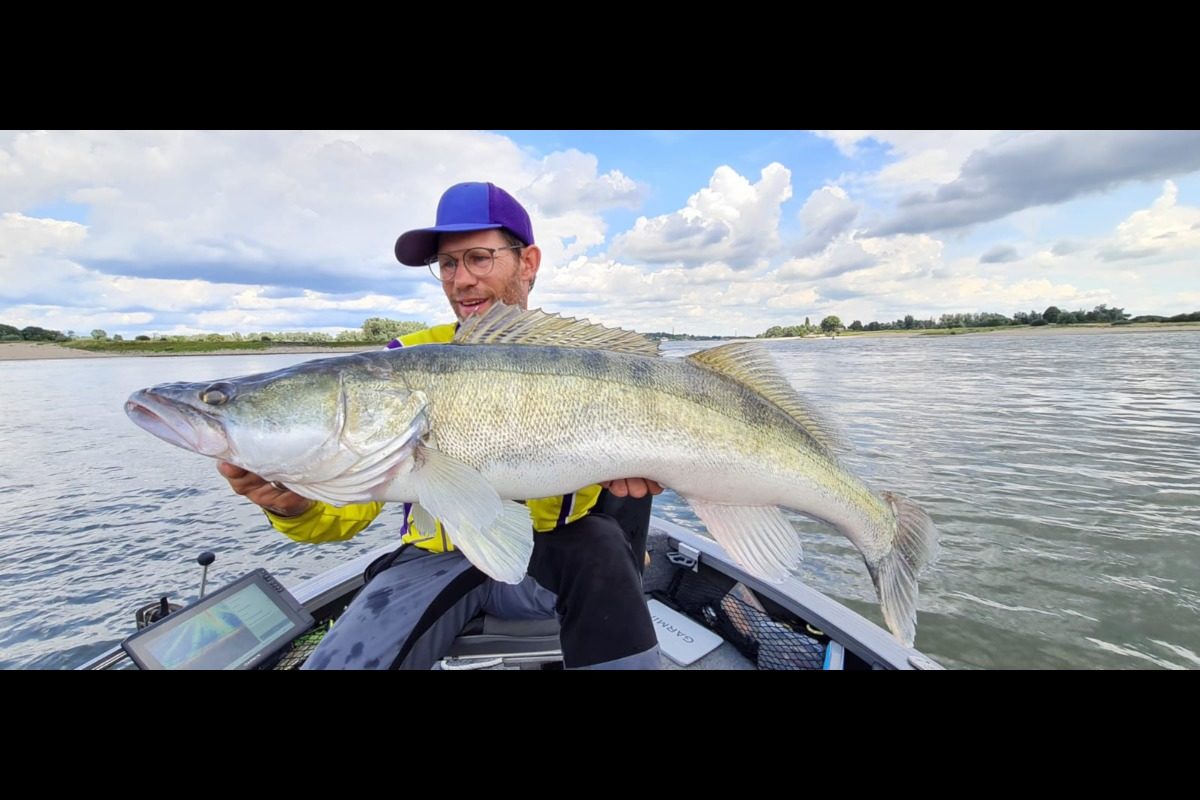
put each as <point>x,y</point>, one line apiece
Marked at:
<point>272,496</point>
<point>229,471</point>
<point>243,481</point>
<point>633,487</point>
<point>283,502</point>
<point>617,487</point>
<point>640,487</point>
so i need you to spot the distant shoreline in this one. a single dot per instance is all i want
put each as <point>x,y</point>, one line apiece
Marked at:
<point>31,351</point>
<point>1019,330</point>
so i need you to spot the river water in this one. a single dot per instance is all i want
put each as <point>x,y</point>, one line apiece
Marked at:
<point>1063,472</point>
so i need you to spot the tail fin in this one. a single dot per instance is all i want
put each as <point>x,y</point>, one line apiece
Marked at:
<point>896,575</point>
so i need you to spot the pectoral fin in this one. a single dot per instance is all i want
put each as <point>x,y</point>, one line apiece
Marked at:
<point>495,536</point>
<point>503,550</point>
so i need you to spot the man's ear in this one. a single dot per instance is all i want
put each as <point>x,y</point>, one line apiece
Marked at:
<point>531,259</point>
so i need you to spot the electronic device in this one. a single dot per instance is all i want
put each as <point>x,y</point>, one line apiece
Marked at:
<point>237,627</point>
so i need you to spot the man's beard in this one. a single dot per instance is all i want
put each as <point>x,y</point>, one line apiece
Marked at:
<point>512,293</point>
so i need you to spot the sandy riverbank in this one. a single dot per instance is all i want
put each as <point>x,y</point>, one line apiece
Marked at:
<point>26,351</point>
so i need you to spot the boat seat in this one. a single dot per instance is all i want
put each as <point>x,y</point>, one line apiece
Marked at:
<point>492,637</point>
<point>497,626</point>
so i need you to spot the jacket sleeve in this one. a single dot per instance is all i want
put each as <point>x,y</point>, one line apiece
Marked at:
<point>326,523</point>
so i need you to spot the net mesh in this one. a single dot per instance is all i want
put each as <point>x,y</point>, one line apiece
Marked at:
<point>302,647</point>
<point>772,641</point>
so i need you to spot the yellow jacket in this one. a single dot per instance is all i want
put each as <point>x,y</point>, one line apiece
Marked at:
<point>326,523</point>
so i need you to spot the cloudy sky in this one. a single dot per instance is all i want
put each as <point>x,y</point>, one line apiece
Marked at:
<point>691,231</point>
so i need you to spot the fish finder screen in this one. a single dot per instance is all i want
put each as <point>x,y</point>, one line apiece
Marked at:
<point>245,625</point>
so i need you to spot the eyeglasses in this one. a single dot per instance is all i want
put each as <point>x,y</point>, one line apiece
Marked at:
<point>478,261</point>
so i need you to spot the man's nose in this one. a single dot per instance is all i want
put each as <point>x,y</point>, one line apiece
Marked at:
<point>463,277</point>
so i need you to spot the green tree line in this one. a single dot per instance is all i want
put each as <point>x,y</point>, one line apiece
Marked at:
<point>32,333</point>
<point>1052,315</point>
<point>830,324</point>
<point>374,330</point>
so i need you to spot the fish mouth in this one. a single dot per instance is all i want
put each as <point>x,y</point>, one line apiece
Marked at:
<point>180,426</point>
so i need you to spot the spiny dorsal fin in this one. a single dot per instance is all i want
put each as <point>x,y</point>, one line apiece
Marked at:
<point>504,324</point>
<point>749,364</point>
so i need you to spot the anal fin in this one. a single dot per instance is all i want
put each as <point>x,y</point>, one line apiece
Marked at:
<point>758,538</point>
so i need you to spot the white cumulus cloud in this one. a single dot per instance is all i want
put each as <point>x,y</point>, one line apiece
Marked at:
<point>730,220</point>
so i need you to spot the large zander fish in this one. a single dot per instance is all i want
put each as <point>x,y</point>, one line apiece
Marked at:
<point>524,404</point>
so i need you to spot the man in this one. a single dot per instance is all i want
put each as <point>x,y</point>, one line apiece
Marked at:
<point>584,566</point>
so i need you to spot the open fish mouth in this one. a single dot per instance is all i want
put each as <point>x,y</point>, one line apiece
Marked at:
<point>178,426</point>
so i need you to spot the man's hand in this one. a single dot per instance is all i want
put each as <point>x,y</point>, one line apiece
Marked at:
<point>278,501</point>
<point>632,487</point>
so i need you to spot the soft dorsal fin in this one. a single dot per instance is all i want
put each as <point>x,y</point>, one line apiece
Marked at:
<point>749,364</point>
<point>504,324</point>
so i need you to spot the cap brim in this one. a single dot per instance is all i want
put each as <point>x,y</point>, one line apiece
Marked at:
<point>414,247</point>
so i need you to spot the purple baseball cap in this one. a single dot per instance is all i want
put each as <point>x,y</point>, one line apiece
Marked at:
<point>466,207</point>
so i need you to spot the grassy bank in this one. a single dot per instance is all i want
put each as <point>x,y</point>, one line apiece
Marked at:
<point>135,348</point>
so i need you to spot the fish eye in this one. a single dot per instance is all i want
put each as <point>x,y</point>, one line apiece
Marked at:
<point>217,394</point>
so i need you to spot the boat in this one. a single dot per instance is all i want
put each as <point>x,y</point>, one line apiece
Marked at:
<point>708,613</point>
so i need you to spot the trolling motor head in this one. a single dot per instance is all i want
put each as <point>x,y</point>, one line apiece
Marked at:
<point>151,613</point>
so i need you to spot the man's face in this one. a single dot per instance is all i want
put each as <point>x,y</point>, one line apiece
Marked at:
<point>508,281</point>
